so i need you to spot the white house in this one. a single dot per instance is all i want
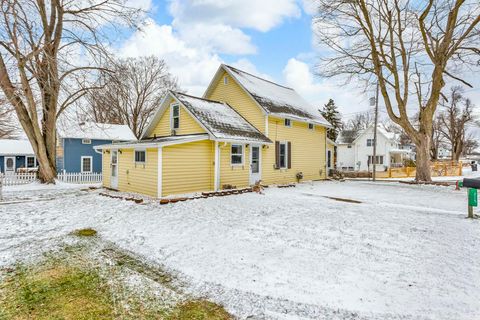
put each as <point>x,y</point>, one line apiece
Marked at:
<point>355,150</point>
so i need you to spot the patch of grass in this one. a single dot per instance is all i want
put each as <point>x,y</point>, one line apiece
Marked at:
<point>55,291</point>
<point>87,232</point>
<point>198,310</point>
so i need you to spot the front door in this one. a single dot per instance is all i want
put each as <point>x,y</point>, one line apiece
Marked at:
<point>255,164</point>
<point>114,166</point>
<point>9,164</point>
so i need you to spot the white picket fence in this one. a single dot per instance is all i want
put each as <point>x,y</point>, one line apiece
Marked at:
<point>15,179</point>
<point>19,178</point>
<point>70,177</point>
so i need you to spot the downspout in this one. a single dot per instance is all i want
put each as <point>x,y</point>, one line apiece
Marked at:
<point>216,174</point>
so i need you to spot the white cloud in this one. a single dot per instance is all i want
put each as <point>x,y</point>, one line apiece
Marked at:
<point>298,75</point>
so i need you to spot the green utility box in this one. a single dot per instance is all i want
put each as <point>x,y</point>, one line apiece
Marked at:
<point>472,197</point>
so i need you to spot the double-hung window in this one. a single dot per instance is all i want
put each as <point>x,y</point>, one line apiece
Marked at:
<point>175,116</point>
<point>31,162</point>
<point>283,155</point>
<point>86,164</point>
<point>370,142</point>
<point>237,154</point>
<point>288,123</point>
<point>140,157</point>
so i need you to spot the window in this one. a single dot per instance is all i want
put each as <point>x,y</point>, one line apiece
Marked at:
<point>237,154</point>
<point>175,116</point>
<point>31,162</point>
<point>379,160</point>
<point>140,156</point>
<point>86,164</point>
<point>311,126</point>
<point>283,155</point>
<point>86,141</point>
<point>225,80</point>
<point>369,142</point>
<point>288,123</point>
<point>349,146</point>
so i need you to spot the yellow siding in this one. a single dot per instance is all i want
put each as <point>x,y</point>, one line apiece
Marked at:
<point>235,175</point>
<point>238,99</point>
<point>308,152</point>
<point>188,125</point>
<point>138,178</point>
<point>188,168</point>
<point>106,171</point>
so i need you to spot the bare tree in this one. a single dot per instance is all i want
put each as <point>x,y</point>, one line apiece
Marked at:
<point>409,48</point>
<point>438,140</point>
<point>47,51</point>
<point>131,93</point>
<point>457,113</point>
<point>470,146</point>
<point>360,121</point>
<point>7,126</point>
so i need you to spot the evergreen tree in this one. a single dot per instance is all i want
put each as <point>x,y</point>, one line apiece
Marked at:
<point>331,114</point>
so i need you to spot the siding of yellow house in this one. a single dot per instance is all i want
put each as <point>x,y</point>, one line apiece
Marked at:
<point>235,175</point>
<point>238,99</point>
<point>308,152</point>
<point>188,168</point>
<point>138,178</point>
<point>106,170</point>
<point>188,125</point>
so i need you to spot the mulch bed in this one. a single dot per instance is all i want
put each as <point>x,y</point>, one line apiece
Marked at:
<point>207,195</point>
<point>433,183</point>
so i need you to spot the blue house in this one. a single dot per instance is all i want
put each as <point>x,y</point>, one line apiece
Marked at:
<point>16,155</point>
<point>75,144</point>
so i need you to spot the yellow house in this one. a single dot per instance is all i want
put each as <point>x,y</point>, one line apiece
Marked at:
<point>245,129</point>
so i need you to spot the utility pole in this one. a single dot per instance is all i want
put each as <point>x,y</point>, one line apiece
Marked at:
<point>375,124</point>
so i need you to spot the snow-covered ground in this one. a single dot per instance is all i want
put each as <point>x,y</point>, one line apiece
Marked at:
<point>405,252</point>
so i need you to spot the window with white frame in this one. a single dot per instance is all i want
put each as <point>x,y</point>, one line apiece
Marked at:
<point>283,155</point>
<point>86,164</point>
<point>349,146</point>
<point>311,126</point>
<point>86,141</point>
<point>175,116</point>
<point>379,160</point>
<point>140,156</point>
<point>370,142</point>
<point>31,162</point>
<point>237,154</point>
<point>288,123</point>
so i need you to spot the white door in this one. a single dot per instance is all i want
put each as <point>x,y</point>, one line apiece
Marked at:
<point>255,164</point>
<point>114,167</point>
<point>9,164</point>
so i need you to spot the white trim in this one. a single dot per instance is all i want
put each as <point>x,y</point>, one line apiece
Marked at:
<point>135,156</point>
<point>159,172</point>
<point>172,105</point>
<point>81,164</point>
<point>259,162</point>
<point>217,167</point>
<point>243,155</point>
<point>111,170</point>
<point>14,163</point>
<point>34,161</point>
<point>266,125</point>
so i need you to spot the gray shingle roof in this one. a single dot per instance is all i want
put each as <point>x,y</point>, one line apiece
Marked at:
<point>220,119</point>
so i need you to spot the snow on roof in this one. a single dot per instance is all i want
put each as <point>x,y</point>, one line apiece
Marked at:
<point>15,147</point>
<point>220,119</point>
<point>98,131</point>
<point>277,99</point>
<point>155,141</point>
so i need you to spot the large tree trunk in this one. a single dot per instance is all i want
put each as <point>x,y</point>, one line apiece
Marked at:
<point>423,158</point>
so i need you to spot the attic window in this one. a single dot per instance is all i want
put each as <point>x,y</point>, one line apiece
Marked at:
<point>311,126</point>
<point>288,123</point>
<point>225,80</point>
<point>86,141</point>
<point>175,116</point>
<point>349,146</point>
<point>369,142</point>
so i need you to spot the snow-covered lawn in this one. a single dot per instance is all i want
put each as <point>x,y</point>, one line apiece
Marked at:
<point>405,252</point>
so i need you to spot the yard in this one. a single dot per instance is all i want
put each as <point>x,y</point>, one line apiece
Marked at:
<point>402,252</point>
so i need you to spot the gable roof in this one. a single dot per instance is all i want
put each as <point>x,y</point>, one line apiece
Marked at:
<point>15,147</point>
<point>273,98</point>
<point>350,136</point>
<point>217,118</point>
<point>97,131</point>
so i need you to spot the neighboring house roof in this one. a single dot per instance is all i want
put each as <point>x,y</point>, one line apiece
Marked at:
<point>221,120</point>
<point>273,98</point>
<point>15,147</point>
<point>96,131</point>
<point>330,141</point>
